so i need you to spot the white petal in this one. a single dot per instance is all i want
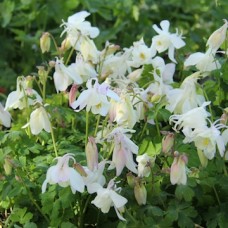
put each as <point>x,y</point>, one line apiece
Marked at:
<point>165,25</point>
<point>76,180</point>
<point>194,58</point>
<point>118,200</point>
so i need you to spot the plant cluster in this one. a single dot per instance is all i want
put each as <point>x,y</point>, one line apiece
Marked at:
<point>132,136</point>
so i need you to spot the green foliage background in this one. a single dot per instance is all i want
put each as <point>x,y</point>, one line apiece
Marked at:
<point>23,21</point>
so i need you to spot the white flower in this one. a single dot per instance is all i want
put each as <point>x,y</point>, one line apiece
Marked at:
<point>95,98</point>
<point>39,120</point>
<point>65,76</point>
<point>123,150</point>
<point>185,98</point>
<point>23,96</point>
<point>165,40</point>
<point>145,162</point>
<point>108,197</point>
<point>95,177</point>
<point>140,54</point>
<point>193,119</point>
<point>207,138</point>
<point>5,117</point>
<point>64,175</point>
<point>178,170</point>
<point>82,69</point>
<point>217,38</point>
<point>204,62</point>
<point>123,111</point>
<point>166,71</point>
<point>76,28</point>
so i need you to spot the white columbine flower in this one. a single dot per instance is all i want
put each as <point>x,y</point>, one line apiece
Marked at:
<point>185,98</point>
<point>76,28</point>
<point>108,197</point>
<point>145,162</point>
<point>95,98</point>
<point>140,54</point>
<point>65,76</point>
<point>39,120</point>
<point>64,175</point>
<point>204,62</point>
<point>123,150</point>
<point>5,117</point>
<point>193,119</point>
<point>166,40</point>
<point>23,96</point>
<point>207,138</point>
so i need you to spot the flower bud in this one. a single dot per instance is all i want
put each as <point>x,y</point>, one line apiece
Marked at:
<point>92,154</point>
<point>65,45</point>
<point>178,169</point>
<point>203,159</point>
<point>155,98</point>
<point>224,117</point>
<point>140,193</point>
<point>217,37</point>
<point>167,143</point>
<point>72,93</point>
<point>80,169</point>
<point>131,180</point>
<point>135,75</point>
<point>45,42</point>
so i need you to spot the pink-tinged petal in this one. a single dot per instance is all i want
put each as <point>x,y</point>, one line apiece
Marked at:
<point>194,58</point>
<point>118,200</point>
<point>72,93</point>
<point>174,172</point>
<point>165,25</point>
<point>119,159</point>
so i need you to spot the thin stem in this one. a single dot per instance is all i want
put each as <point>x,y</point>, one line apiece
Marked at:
<point>56,46</point>
<point>216,195</point>
<point>143,130</point>
<point>54,142</point>
<point>157,125</point>
<point>131,217</point>
<point>210,110</point>
<point>98,121</point>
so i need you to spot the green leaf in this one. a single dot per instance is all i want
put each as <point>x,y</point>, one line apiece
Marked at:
<point>184,192</point>
<point>6,8</point>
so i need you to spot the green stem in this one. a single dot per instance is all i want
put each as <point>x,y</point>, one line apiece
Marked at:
<point>216,195</point>
<point>143,130</point>
<point>56,46</point>
<point>157,125</point>
<point>131,217</point>
<point>210,110</point>
<point>54,142</point>
<point>98,121</point>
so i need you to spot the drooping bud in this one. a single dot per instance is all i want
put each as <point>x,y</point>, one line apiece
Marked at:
<point>45,42</point>
<point>131,180</point>
<point>178,169</point>
<point>140,193</point>
<point>65,45</point>
<point>224,117</point>
<point>92,154</point>
<point>203,159</point>
<point>135,75</point>
<point>217,37</point>
<point>167,143</point>
<point>155,98</point>
<point>72,93</point>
